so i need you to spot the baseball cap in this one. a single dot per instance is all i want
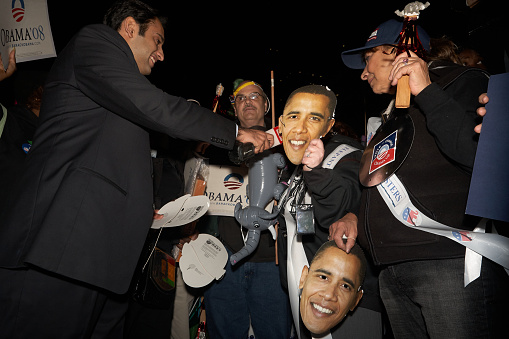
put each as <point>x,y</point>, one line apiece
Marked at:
<point>240,84</point>
<point>386,33</point>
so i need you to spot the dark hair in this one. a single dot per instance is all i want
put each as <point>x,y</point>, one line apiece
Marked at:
<point>344,129</point>
<point>142,13</point>
<point>356,251</point>
<point>317,89</point>
<point>443,49</point>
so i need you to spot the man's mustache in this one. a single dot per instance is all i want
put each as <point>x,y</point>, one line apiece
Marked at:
<point>248,106</point>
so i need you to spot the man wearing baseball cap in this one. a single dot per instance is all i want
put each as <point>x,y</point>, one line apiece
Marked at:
<point>250,292</point>
<point>422,277</point>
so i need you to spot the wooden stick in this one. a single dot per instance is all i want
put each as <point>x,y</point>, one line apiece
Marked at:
<point>272,99</point>
<point>276,229</point>
<point>403,92</point>
<point>273,125</point>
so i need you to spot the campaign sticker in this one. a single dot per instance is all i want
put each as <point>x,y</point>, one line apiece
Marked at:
<point>384,152</point>
<point>26,147</point>
<point>462,236</point>
<point>412,216</point>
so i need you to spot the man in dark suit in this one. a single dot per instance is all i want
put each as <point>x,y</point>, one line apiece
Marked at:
<point>69,248</point>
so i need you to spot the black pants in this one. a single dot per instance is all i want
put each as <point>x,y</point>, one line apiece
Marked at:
<point>427,299</point>
<point>39,304</point>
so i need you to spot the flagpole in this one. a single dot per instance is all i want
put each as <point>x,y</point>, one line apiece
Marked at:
<point>272,98</point>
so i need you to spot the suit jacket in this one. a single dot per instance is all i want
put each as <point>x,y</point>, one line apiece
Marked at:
<point>86,205</point>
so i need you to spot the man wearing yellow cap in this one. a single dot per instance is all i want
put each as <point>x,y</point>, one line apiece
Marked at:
<point>251,291</point>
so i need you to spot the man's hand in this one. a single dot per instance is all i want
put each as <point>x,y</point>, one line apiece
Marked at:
<point>158,216</point>
<point>11,68</point>
<point>313,156</point>
<point>259,139</point>
<point>346,226</point>
<point>481,111</point>
<point>187,239</point>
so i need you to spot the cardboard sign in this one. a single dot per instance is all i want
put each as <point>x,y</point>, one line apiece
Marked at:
<point>182,211</point>
<point>275,133</point>
<point>24,25</point>
<point>203,260</point>
<point>489,188</point>
<point>226,187</point>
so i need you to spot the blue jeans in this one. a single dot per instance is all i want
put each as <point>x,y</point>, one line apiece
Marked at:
<point>248,291</point>
<point>426,299</point>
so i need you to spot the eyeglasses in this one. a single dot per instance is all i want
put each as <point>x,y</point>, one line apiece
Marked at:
<point>241,98</point>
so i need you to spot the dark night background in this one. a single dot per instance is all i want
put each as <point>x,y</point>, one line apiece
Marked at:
<point>212,42</point>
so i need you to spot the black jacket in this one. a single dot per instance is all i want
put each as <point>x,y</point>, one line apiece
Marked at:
<point>436,172</point>
<point>334,193</point>
<point>86,207</point>
<point>15,142</point>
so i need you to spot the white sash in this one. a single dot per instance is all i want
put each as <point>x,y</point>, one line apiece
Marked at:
<point>296,255</point>
<point>296,261</point>
<point>477,243</point>
<point>340,151</point>
<point>491,246</point>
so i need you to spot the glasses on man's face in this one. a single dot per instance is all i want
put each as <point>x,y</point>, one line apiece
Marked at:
<point>252,96</point>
